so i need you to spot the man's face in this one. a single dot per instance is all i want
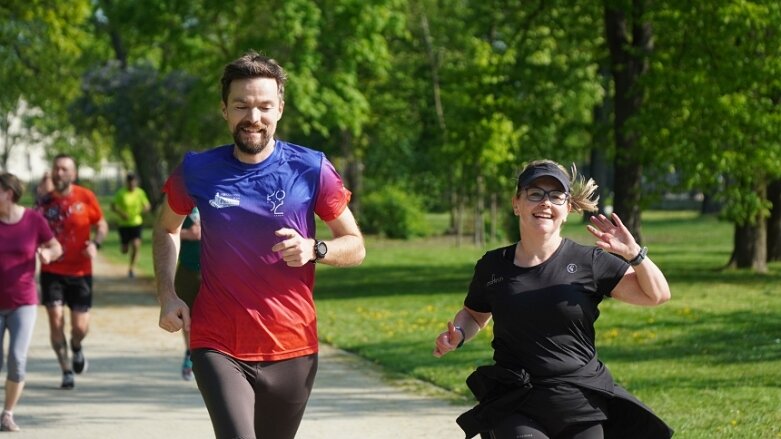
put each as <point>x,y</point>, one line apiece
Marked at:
<point>63,174</point>
<point>252,112</point>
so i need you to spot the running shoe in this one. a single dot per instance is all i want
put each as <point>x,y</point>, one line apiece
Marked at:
<point>68,380</point>
<point>7,422</point>
<point>187,368</point>
<point>80,363</point>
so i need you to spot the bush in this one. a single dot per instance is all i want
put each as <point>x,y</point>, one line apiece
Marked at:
<point>393,213</point>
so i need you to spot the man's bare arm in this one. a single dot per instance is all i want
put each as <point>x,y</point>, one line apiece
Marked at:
<point>165,248</point>
<point>346,249</point>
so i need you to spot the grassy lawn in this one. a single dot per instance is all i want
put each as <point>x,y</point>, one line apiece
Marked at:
<point>709,361</point>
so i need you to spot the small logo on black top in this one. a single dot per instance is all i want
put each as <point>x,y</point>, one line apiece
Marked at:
<point>571,268</point>
<point>494,280</point>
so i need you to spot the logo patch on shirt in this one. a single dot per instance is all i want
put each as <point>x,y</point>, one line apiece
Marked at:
<point>277,199</point>
<point>494,280</point>
<point>572,268</point>
<point>221,200</point>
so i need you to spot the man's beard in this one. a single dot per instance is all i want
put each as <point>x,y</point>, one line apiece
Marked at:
<point>250,147</point>
<point>61,185</point>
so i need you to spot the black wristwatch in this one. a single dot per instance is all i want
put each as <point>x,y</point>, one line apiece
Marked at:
<point>97,244</point>
<point>320,250</point>
<point>639,258</point>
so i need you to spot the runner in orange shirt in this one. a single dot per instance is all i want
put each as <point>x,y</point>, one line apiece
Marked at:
<point>73,213</point>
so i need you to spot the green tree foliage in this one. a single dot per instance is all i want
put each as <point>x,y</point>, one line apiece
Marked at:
<point>40,51</point>
<point>394,213</point>
<point>715,107</point>
<point>511,82</point>
<point>445,99</point>
<point>140,108</point>
<point>352,61</point>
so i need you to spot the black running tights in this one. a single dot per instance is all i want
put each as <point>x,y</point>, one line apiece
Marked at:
<point>518,426</point>
<point>251,399</point>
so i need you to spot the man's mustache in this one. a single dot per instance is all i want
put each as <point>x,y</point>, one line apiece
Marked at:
<point>250,126</point>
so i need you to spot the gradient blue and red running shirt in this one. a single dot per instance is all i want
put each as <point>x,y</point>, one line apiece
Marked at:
<point>251,305</point>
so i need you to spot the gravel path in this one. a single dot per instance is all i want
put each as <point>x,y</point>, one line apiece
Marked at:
<point>132,388</point>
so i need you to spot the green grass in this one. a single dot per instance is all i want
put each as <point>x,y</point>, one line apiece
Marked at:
<point>708,362</point>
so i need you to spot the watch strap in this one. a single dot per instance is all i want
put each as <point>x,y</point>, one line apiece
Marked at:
<point>463,336</point>
<point>320,254</point>
<point>639,258</point>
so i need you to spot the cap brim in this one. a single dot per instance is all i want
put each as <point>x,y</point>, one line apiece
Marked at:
<point>544,170</point>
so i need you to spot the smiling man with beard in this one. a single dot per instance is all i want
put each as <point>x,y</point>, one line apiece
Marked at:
<point>253,333</point>
<point>73,213</point>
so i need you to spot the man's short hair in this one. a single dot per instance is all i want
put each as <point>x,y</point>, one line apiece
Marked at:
<point>253,65</point>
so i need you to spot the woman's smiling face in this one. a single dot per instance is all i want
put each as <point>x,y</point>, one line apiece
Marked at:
<point>544,215</point>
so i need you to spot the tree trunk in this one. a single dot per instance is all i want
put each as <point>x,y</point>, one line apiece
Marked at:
<point>598,164</point>
<point>5,139</point>
<point>353,174</point>
<point>459,217</point>
<point>628,64</point>
<point>494,217</point>
<point>434,63</point>
<point>598,171</point>
<point>149,170</point>
<point>750,244</point>
<point>774,221</point>
<point>709,203</point>
<point>453,210</point>
<point>120,52</point>
<point>749,247</point>
<point>355,170</point>
<point>479,235</point>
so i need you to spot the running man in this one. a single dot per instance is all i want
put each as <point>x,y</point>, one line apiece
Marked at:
<point>130,204</point>
<point>253,332</point>
<point>73,214</point>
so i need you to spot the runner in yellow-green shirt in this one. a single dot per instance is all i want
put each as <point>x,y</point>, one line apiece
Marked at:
<point>130,203</point>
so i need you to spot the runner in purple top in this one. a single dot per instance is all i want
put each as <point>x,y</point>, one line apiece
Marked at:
<point>253,336</point>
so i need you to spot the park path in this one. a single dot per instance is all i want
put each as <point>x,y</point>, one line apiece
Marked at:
<point>132,388</point>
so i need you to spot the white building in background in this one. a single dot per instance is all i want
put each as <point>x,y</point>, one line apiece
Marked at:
<point>26,161</point>
<point>29,161</point>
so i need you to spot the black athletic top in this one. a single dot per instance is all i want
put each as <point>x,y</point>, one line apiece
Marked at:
<point>544,329</point>
<point>544,315</point>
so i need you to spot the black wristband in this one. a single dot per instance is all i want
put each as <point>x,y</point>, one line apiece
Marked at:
<point>639,258</point>
<point>463,336</point>
<point>97,244</point>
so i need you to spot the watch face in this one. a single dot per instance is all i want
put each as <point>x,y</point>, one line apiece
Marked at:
<point>321,249</point>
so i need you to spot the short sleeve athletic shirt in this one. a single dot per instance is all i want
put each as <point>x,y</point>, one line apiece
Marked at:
<point>71,218</point>
<point>132,203</point>
<point>251,305</point>
<point>18,245</point>
<point>544,315</point>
